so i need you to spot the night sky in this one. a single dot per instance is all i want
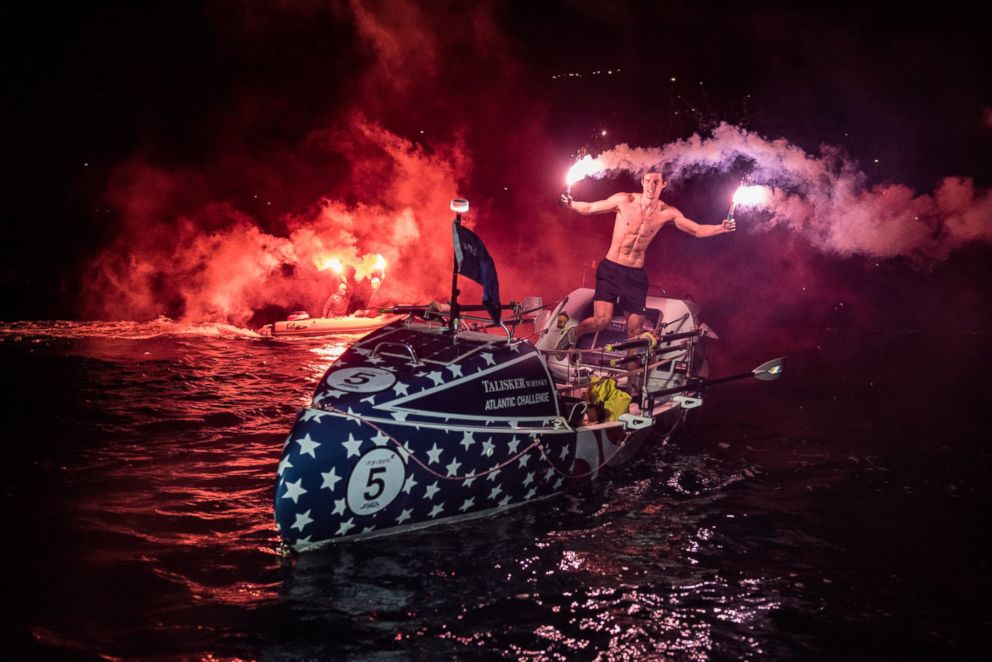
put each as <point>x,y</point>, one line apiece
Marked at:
<point>195,159</point>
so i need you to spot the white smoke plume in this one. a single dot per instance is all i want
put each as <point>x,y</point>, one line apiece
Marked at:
<point>825,197</point>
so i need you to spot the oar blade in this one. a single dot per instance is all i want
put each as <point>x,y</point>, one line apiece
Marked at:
<point>770,370</point>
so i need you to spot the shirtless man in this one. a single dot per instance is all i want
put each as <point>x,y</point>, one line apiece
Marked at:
<point>620,278</point>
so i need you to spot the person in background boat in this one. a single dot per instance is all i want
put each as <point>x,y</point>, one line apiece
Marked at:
<point>337,304</point>
<point>621,281</point>
<point>366,295</point>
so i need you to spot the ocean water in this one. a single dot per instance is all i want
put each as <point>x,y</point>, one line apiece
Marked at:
<point>839,513</point>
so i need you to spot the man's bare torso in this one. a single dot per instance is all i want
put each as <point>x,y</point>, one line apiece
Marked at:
<point>635,226</point>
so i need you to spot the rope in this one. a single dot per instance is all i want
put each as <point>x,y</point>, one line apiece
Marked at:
<point>420,463</point>
<point>536,444</point>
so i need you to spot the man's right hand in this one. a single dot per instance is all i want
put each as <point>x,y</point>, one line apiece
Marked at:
<point>565,200</point>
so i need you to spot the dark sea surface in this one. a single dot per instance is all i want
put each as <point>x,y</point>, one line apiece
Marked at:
<point>839,513</point>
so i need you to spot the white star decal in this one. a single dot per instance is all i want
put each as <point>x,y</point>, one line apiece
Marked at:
<point>549,473</point>
<point>469,502</point>
<point>353,418</point>
<point>558,483</point>
<point>285,464</point>
<point>453,467</point>
<point>431,491</point>
<point>529,479</point>
<point>505,501</point>
<point>374,360</point>
<point>530,494</point>
<point>456,369</point>
<point>352,445</point>
<point>488,358</point>
<point>339,507</point>
<point>311,414</point>
<point>437,377</point>
<point>331,479</point>
<point>404,516</point>
<point>346,527</point>
<point>404,451</point>
<point>370,400</point>
<point>360,350</point>
<point>434,454</point>
<point>401,389</point>
<point>495,493</point>
<point>467,440</point>
<point>368,529</point>
<point>487,448</point>
<point>524,459</point>
<point>409,484</point>
<point>301,521</point>
<point>294,490</point>
<point>308,446</point>
<point>564,452</point>
<point>436,510</point>
<point>380,439</point>
<point>492,476</point>
<point>471,479</point>
<point>513,444</point>
<point>333,393</point>
<point>400,415</point>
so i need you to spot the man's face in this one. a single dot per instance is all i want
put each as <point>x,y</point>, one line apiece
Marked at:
<point>652,183</point>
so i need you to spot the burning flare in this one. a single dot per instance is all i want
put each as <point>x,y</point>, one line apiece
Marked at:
<point>583,168</point>
<point>332,263</point>
<point>751,195</point>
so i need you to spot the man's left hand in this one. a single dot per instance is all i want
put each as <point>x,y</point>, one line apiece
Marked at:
<point>729,224</point>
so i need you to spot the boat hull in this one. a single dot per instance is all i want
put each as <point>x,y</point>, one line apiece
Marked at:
<point>413,426</point>
<point>347,477</point>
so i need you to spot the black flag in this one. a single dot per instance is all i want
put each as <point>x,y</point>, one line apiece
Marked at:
<point>473,261</point>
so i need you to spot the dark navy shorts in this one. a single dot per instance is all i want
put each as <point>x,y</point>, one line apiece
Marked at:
<point>625,287</point>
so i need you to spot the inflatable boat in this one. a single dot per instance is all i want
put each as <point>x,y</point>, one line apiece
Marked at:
<point>301,324</point>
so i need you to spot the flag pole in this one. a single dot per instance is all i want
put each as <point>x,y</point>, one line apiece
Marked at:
<point>458,205</point>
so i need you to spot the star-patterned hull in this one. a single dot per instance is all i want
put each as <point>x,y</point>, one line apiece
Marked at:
<point>412,427</point>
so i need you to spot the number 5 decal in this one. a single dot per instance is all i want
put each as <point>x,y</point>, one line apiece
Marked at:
<point>378,483</point>
<point>375,481</point>
<point>361,380</point>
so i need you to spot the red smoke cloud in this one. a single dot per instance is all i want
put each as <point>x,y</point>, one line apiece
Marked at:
<point>193,243</point>
<point>215,264</point>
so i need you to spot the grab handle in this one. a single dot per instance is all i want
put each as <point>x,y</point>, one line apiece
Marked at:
<point>402,345</point>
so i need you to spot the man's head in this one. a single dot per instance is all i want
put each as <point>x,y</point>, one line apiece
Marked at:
<point>652,182</point>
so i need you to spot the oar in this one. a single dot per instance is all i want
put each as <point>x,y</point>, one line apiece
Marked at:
<point>766,372</point>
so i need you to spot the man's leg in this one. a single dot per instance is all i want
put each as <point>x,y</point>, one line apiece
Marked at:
<point>635,325</point>
<point>602,313</point>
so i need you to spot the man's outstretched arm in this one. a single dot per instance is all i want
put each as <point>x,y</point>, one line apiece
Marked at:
<point>598,207</point>
<point>698,230</point>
